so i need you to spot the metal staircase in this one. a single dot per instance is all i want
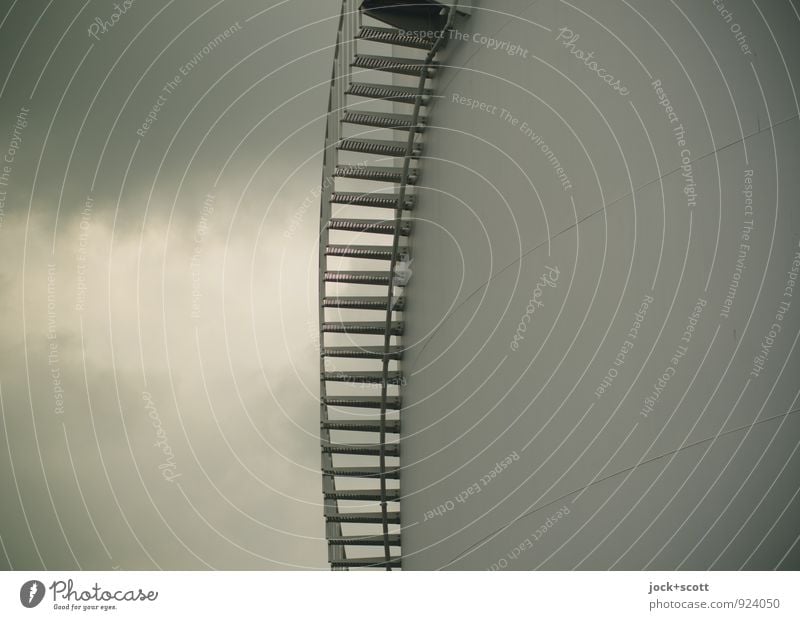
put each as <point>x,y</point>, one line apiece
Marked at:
<point>364,257</point>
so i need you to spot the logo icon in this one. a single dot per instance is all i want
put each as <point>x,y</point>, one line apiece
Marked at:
<point>31,593</point>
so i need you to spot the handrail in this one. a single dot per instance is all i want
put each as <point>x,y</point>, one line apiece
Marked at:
<point>451,13</point>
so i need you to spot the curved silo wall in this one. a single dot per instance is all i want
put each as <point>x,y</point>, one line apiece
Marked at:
<point>601,315</point>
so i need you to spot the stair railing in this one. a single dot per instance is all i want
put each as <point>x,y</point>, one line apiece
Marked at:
<point>343,51</point>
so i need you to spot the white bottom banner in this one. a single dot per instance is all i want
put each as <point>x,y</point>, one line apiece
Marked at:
<point>617,595</point>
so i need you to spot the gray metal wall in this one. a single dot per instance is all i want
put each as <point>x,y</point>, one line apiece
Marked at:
<point>596,480</point>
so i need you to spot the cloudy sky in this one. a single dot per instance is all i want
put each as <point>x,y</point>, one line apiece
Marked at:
<point>157,282</point>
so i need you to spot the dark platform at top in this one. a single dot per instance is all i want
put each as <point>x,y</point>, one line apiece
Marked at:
<point>408,15</point>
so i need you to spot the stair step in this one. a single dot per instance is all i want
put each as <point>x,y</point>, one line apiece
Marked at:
<point>363,327</point>
<point>372,252</point>
<point>389,148</point>
<point>363,472</point>
<point>393,36</point>
<point>384,120</point>
<point>361,376</point>
<point>362,402</point>
<point>392,495</point>
<point>389,92</point>
<point>361,449</point>
<point>372,353</point>
<point>375,540</point>
<point>358,277</point>
<point>364,303</point>
<point>392,64</point>
<point>381,174</point>
<point>380,562</point>
<point>367,426</point>
<point>363,517</point>
<point>377,200</point>
<point>378,227</point>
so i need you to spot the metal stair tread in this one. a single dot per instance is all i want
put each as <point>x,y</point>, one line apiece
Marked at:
<point>363,517</point>
<point>386,120</point>
<point>367,426</point>
<point>370,540</point>
<point>389,92</point>
<point>392,495</point>
<point>394,36</point>
<point>393,377</point>
<point>375,199</point>
<point>393,64</point>
<point>387,227</point>
<point>370,252</point>
<point>380,562</point>
<point>363,472</point>
<point>370,146</point>
<point>365,402</point>
<point>363,303</point>
<point>363,327</point>
<point>362,449</point>
<point>377,278</point>
<point>381,174</point>
<point>395,352</point>
<point>358,277</point>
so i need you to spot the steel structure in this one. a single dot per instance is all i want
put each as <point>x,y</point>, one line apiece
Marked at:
<point>359,479</point>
